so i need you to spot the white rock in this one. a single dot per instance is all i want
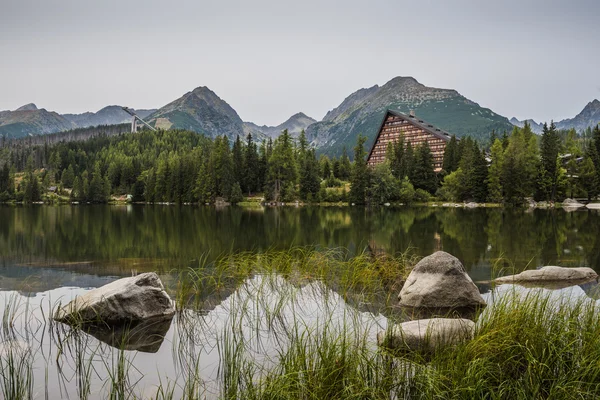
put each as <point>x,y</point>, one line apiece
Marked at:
<point>427,334</point>
<point>128,299</point>
<point>551,274</point>
<point>593,206</point>
<point>440,281</point>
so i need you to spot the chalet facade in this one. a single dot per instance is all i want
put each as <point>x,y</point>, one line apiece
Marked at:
<point>414,130</point>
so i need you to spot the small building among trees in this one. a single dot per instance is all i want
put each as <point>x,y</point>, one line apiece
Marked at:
<point>396,125</point>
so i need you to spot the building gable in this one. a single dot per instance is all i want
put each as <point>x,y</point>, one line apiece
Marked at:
<point>414,131</point>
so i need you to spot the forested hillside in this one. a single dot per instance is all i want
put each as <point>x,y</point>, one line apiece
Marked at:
<point>177,166</point>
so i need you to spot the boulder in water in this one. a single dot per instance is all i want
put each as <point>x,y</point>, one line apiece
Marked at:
<point>439,281</point>
<point>551,275</point>
<point>427,334</point>
<point>125,300</point>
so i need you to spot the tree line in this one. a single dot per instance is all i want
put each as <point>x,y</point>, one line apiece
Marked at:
<point>172,166</point>
<point>184,167</point>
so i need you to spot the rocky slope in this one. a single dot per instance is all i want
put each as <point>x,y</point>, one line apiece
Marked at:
<point>111,115</point>
<point>535,127</point>
<point>200,110</point>
<point>588,117</point>
<point>362,112</point>
<point>30,120</point>
<point>295,124</point>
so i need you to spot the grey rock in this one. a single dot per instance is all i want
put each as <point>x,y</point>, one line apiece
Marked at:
<point>129,299</point>
<point>440,281</point>
<point>427,334</point>
<point>571,204</point>
<point>551,274</point>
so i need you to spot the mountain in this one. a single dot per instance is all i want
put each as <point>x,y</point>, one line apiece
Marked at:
<point>535,127</point>
<point>200,110</point>
<point>29,120</point>
<point>588,117</point>
<point>295,124</point>
<point>362,112</point>
<point>111,115</point>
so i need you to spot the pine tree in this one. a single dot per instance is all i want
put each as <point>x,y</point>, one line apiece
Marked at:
<point>345,166</point>
<point>223,167</point>
<point>399,159</point>
<point>494,181</point>
<point>588,173</point>
<point>423,172</point>
<point>359,181</point>
<point>451,159</point>
<point>310,181</point>
<point>283,174</point>
<point>515,169</point>
<point>77,192</point>
<point>252,167</point>
<point>68,176</point>
<point>237,154</point>
<point>236,195</point>
<point>549,150</point>
<point>325,167</point>
<point>150,186</point>
<point>97,192</point>
<point>409,162</point>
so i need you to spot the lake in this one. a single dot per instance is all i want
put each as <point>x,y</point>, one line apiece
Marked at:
<point>51,254</point>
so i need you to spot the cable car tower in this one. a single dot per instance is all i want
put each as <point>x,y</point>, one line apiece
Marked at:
<point>135,119</point>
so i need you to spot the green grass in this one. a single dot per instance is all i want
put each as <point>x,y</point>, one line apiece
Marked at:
<point>288,335</point>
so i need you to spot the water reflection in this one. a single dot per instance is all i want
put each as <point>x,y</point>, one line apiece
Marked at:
<point>114,240</point>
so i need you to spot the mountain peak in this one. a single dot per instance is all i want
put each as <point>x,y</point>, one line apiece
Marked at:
<point>403,80</point>
<point>593,104</point>
<point>27,107</point>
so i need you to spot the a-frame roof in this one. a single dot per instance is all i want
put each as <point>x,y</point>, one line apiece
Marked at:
<point>426,126</point>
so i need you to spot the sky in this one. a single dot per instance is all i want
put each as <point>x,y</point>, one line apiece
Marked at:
<point>272,58</point>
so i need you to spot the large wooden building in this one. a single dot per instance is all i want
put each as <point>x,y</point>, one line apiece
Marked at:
<point>414,130</point>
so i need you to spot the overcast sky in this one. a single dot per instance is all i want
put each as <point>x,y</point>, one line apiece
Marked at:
<point>272,58</point>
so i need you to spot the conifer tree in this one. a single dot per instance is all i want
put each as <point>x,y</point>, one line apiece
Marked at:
<point>423,172</point>
<point>97,193</point>
<point>451,156</point>
<point>236,195</point>
<point>325,167</point>
<point>252,167</point>
<point>282,175</point>
<point>150,186</point>
<point>494,181</point>
<point>237,154</point>
<point>68,176</point>
<point>409,162</point>
<point>398,159</point>
<point>549,150</point>
<point>310,181</point>
<point>360,178</point>
<point>345,165</point>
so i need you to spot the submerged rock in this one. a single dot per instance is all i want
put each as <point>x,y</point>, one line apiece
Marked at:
<point>551,275</point>
<point>129,299</point>
<point>146,336</point>
<point>427,334</point>
<point>440,281</point>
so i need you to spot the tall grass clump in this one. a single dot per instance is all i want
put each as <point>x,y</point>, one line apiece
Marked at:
<point>528,345</point>
<point>364,276</point>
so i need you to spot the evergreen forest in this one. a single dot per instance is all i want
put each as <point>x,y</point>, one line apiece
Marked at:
<point>177,166</point>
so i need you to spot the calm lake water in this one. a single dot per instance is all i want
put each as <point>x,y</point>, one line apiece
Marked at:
<point>50,254</point>
<point>43,247</point>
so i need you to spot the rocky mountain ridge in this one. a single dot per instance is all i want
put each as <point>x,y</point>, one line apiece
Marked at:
<point>362,113</point>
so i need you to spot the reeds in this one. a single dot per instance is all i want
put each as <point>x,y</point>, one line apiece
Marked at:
<point>301,324</point>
